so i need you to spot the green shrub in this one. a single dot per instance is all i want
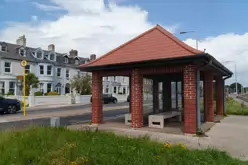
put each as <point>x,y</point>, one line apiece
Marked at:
<point>38,93</point>
<point>52,94</point>
<point>10,94</point>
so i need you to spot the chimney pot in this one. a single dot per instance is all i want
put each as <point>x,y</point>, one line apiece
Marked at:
<point>51,47</point>
<point>92,57</point>
<point>21,41</point>
<point>73,53</point>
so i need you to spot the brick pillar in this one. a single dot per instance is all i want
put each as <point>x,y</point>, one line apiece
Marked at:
<point>97,114</point>
<point>166,95</point>
<point>155,96</point>
<point>137,99</point>
<point>220,86</point>
<point>209,96</point>
<point>190,102</point>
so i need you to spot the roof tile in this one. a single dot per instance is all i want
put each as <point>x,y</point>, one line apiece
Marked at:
<point>155,44</point>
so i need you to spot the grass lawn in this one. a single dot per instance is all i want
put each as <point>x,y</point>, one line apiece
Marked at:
<point>232,107</point>
<point>46,146</point>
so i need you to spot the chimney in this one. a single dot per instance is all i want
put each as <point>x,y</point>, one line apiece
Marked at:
<point>73,53</point>
<point>21,41</point>
<point>51,47</point>
<point>92,57</point>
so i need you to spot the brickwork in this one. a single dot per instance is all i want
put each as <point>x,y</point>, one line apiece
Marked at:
<point>190,99</point>
<point>209,96</point>
<point>166,95</point>
<point>97,110</point>
<point>137,99</point>
<point>220,85</point>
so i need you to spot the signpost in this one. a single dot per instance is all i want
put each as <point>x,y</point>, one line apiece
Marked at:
<point>24,64</point>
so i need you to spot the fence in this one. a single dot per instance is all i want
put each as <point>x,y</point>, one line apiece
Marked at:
<point>63,100</point>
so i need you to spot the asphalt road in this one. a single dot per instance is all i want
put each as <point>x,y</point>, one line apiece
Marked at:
<point>62,109</point>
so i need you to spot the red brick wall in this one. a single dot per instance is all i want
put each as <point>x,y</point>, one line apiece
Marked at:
<point>97,111</point>
<point>190,99</point>
<point>137,99</point>
<point>209,96</point>
<point>220,96</point>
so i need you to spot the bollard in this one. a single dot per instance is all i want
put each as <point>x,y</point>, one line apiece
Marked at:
<point>55,122</point>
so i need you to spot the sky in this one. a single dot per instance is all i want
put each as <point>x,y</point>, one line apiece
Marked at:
<point>98,26</point>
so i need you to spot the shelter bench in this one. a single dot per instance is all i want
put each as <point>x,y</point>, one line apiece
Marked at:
<point>157,120</point>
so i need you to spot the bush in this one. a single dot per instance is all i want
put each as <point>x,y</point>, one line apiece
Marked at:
<point>10,94</point>
<point>38,93</point>
<point>52,94</point>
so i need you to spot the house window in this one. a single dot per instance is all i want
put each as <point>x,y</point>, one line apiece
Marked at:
<point>66,59</point>
<point>114,89</point>
<point>41,87</point>
<point>2,88</point>
<point>52,57</point>
<point>4,48</point>
<point>39,54</point>
<point>7,67</point>
<point>59,72</point>
<point>12,88</point>
<point>46,56</point>
<point>41,69</point>
<point>106,89</point>
<point>49,87</point>
<point>27,69</point>
<point>124,90</point>
<point>76,61</point>
<point>67,74</point>
<point>49,70</point>
<point>22,52</point>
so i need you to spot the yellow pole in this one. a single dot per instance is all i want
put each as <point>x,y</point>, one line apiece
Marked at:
<point>24,91</point>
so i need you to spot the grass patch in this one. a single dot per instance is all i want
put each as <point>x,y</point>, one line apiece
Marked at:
<point>47,146</point>
<point>235,108</point>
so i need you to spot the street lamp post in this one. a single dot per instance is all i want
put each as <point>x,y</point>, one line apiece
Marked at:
<point>236,82</point>
<point>196,36</point>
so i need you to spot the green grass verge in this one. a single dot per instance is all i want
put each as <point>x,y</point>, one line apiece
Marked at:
<point>46,146</point>
<point>232,107</point>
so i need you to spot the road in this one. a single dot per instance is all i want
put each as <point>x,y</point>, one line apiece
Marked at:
<point>65,120</point>
<point>64,109</point>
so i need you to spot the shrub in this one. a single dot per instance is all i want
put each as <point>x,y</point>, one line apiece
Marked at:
<point>52,94</point>
<point>38,93</point>
<point>10,94</point>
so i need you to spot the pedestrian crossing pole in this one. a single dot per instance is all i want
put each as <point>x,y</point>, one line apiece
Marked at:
<point>24,64</point>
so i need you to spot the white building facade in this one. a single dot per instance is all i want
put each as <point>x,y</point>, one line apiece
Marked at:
<point>54,70</point>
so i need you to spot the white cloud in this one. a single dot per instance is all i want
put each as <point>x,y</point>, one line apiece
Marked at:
<point>46,7</point>
<point>228,47</point>
<point>90,26</point>
<point>34,18</point>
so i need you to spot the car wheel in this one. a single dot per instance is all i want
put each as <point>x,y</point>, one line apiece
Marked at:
<point>115,101</point>
<point>11,109</point>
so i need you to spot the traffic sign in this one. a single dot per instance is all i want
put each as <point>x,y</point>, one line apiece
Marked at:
<point>24,63</point>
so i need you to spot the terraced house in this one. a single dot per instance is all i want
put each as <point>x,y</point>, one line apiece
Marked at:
<point>53,69</point>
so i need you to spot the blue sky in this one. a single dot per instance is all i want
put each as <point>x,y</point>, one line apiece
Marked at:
<point>97,26</point>
<point>208,18</point>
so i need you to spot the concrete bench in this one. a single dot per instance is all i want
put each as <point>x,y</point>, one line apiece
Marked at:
<point>157,120</point>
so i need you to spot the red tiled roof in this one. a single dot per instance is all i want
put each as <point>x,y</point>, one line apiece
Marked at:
<point>155,44</point>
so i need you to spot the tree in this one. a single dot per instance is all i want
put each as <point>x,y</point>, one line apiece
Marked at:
<point>82,84</point>
<point>31,82</point>
<point>233,87</point>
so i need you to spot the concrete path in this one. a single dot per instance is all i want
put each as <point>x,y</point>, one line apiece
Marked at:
<point>231,135</point>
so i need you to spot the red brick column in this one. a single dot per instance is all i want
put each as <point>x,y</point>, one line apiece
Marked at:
<point>220,87</point>
<point>97,113</point>
<point>190,99</point>
<point>209,96</point>
<point>137,99</point>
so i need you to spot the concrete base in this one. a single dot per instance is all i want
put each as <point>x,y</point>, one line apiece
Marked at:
<point>55,122</point>
<point>128,119</point>
<point>157,120</point>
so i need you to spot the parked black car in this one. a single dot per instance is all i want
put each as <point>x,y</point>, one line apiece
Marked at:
<point>107,98</point>
<point>128,98</point>
<point>9,105</point>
